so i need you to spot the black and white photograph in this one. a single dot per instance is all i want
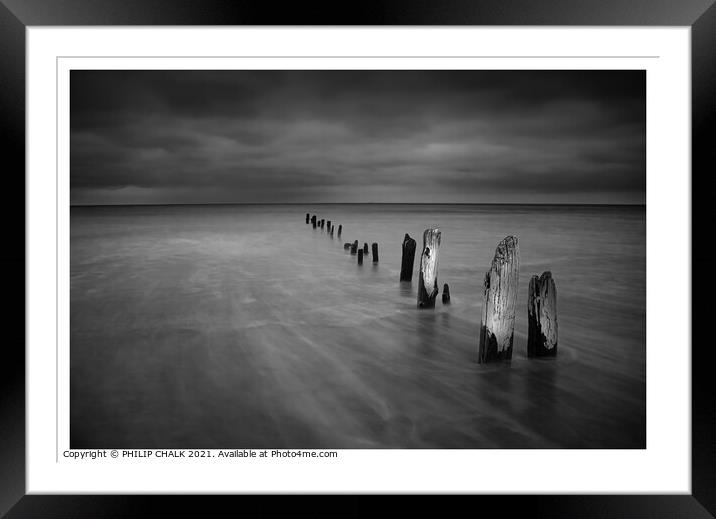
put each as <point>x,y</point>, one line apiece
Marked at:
<point>357,259</point>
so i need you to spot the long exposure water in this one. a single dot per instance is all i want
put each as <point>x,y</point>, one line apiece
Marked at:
<point>237,326</point>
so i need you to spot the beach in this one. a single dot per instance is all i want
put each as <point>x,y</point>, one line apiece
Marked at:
<point>239,326</point>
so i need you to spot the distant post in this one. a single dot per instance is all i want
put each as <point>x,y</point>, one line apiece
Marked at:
<point>374,248</point>
<point>308,218</point>
<point>365,249</point>
<point>428,275</point>
<point>313,221</point>
<point>446,294</point>
<point>347,246</point>
<point>542,317</point>
<point>406,266</point>
<point>323,223</point>
<point>360,256</point>
<point>328,225</point>
<point>354,247</point>
<point>500,298</point>
<point>340,230</point>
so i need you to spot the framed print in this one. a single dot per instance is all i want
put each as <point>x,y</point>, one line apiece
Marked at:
<point>388,258</point>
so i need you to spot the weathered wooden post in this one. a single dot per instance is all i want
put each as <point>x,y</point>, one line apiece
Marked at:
<point>340,230</point>
<point>360,256</point>
<point>308,218</point>
<point>542,317</point>
<point>500,298</point>
<point>406,266</point>
<point>365,249</point>
<point>374,248</point>
<point>446,294</point>
<point>333,228</point>
<point>428,275</point>
<point>313,221</point>
<point>347,246</point>
<point>354,247</point>
<point>328,225</point>
<point>323,223</point>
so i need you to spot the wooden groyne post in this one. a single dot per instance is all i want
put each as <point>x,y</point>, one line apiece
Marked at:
<point>347,246</point>
<point>406,265</point>
<point>354,247</point>
<point>446,294</point>
<point>340,230</point>
<point>308,218</point>
<point>374,248</point>
<point>365,249</point>
<point>313,221</point>
<point>500,298</point>
<point>360,256</point>
<point>428,275</point>
<point>542,316</point>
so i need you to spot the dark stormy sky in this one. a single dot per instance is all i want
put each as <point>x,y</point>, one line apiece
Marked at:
<point>140,137</point>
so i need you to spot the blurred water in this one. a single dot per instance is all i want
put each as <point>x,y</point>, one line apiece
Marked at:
<point>241,326</point>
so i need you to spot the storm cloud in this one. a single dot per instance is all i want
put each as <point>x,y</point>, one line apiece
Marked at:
<point>441,136</point>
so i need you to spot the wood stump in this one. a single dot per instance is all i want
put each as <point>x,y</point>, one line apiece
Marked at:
<point>354,247</point>
<point>347,246</point>
<point>428,275</point>
<point>542,317</point>
<point>406,265</point>
<point>360,256</point>
<point>328,226</point>
<point>500,299</point>
<point>308,218</point>
<point>374,248</point>
<point>340,230</point>
<point>313,221</point>
<point>365,249</point>
<point>446,294</point>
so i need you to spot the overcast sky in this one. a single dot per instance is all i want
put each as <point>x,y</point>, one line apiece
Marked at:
<point>140,137</point>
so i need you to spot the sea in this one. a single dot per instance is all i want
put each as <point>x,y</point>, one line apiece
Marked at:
<point>240,326</point>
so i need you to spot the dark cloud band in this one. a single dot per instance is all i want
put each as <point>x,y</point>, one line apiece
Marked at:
<point>357,136</point>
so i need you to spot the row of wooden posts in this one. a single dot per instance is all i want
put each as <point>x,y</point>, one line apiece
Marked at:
<point>323,224</point>
<point>499,293</point>
<point>355,250</point>
<point>499,298</point>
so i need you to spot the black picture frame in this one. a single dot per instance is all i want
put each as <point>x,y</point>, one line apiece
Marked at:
<point>700,15</point>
